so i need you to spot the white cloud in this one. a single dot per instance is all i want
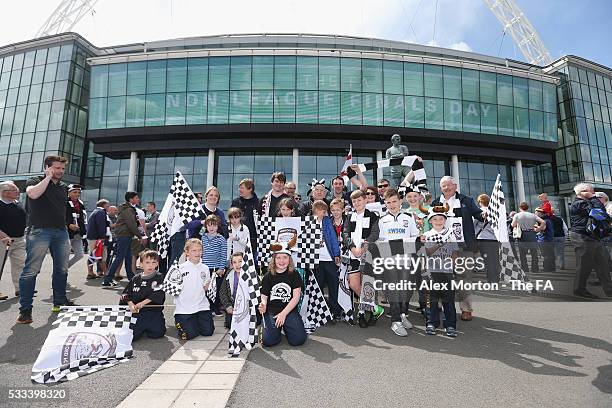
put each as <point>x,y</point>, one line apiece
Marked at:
<point>460,46</point>
<point>120,22</point>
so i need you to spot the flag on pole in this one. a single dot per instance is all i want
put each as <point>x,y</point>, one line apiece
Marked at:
<point>348,161</point>
<point>84,339</point>
<point>314,311</point>
<point>181,207</point>
<point>510,266</point>
<point>419,182</point>
<point>243,331</point>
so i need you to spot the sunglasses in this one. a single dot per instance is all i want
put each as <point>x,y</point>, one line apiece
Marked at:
<point>383,185</point>
<point>370,194</point>
<point>234,216</point>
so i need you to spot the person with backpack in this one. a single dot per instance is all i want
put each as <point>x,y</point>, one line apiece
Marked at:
<point>590,224</point>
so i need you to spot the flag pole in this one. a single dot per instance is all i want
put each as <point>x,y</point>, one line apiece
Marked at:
<point>5,258</point>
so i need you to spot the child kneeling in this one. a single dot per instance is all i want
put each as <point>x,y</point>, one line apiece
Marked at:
<point>281,288</point>
<point>192,314</point>
<point>145,297</point>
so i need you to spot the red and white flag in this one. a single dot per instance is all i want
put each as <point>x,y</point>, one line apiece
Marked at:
<point>347,163</point>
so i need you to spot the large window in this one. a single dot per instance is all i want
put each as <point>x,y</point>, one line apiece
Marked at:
<point>311,89</point>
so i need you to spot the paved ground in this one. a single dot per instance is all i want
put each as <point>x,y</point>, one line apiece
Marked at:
<point>20,344</point>
<point>521,350</point>
<point>527,354</point>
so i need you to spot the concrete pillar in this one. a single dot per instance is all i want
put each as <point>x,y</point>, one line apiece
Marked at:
<point>295,168</point>
<point>455,170</point>
<point>380,173</point>
<point>132,174</point>
<point>210,171</point>
<point>520,183</point>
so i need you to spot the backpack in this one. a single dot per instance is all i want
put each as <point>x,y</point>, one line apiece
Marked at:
<point>598,224</point>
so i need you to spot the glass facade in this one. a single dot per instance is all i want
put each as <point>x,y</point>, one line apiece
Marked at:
<point>44,97</point>
<point>585,114</point>
<point>320,90</point>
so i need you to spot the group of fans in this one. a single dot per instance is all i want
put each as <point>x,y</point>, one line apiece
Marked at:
<point>212,247</point>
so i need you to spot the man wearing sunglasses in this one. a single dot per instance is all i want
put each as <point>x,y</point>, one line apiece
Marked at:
<point>383,186</point>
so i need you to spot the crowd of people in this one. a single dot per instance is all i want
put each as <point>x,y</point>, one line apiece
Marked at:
<point>211,247</point>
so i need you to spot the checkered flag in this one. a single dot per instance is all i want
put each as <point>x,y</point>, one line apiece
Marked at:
<point>308,242</point>
<point>315,312</point>
<point>211,292</point>
<point>419,182</point>
<point>308,238</point>
<point>96,317</point>
<point>84,340</point>
<point>173,282</point>
<point>180,208</point>
<point>439,238</point>
<point>510,266</point>
<point>243,331</point>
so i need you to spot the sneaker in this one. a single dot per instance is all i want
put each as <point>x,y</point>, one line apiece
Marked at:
<point>218,313</point>
<point>362,321</point>
<point>378,311</point>
<point>399,329</point>
<point>451,332</point>
<point>112,284</point>
<point>430,329</point>
<point>338,318</point>
<point>405,322</point>
<point>57,308</point>
<point>3,297</point>
<point>25,316</point>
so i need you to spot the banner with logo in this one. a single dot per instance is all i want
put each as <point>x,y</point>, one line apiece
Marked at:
<point>84,340</point>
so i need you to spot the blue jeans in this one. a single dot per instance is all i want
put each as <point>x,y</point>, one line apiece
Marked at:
<point>123,252</point>
<point>293,327</point>
<point>327,274</point>
<point>38,241</point>
<point>192,325</point>
<point>177,246</point>
<point>559,245</point>
<point>447,298</point>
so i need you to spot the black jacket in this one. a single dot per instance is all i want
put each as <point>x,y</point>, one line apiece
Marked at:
<point>247,205</point>
<point>75,217</point>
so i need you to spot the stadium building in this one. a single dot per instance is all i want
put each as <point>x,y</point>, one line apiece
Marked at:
<point>222,108</point>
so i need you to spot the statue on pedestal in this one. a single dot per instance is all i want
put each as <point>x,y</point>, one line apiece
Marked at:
<point>397,151</point>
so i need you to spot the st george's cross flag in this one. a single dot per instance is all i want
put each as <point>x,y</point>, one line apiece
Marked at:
<point>315,312</point>
<point>83,340</point>
<point>348,161</point>
<point>510,268</point>
<point>180,208</point>
<point>243,331</point>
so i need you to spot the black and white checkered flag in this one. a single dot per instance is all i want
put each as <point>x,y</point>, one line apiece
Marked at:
<point>243,331</point>
<point>84,340</point>
<point>181,207</point>
<point>510,265</point>
<point>173,282</point>
<point>308,238</point>
<point>419,183</point>
<point>211,292</point>
<point>315,312</point>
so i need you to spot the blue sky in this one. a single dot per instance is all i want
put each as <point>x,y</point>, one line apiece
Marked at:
<point>582,28</point>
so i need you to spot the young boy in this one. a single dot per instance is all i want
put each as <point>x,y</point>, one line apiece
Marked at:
<point>214,255</point>
<point>441,272</point>
<point>396,225</point>
<point>229,287</point>
<point>192,313</point>
<point>326,272</point>
<point>356,231</point>
<point>145,297</point>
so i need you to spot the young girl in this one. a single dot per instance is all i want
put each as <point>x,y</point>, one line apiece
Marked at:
<point>287,207</point>
<point>214,256</point>
<point>192,313</point>
<point>238,232</point>
<point>281,288</point>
